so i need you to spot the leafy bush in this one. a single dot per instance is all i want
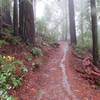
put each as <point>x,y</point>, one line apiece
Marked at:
<point>15,40</point>
<point>9,79</point>
<point>86,42</point>
<point>54,44</point>
<point>23,68</point>
<point>2,43</point>
<point>6,35</point>
<point>28,58</point>
<point>37,51</point>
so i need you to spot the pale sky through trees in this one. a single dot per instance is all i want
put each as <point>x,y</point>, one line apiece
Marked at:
<point>40,9</point>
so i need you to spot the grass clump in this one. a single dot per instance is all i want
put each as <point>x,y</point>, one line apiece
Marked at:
<point>2,43</point>
<point>37,52</point>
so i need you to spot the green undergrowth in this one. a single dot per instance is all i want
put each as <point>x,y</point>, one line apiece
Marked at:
<point>9,79</point>
<point>7,36</point>
<point>37,51</point>
<point>2,43</point>
<point>15,40</point>
<point>81,50</point>
<point>84,51</point>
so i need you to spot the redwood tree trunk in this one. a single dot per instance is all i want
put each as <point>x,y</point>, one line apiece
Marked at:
<point>15,18</point>
<point>0,20</point>
<point>27,27</point>
<point>72,22</point>
<point>94,32</point>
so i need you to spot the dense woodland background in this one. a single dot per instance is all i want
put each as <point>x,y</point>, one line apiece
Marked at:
<point>31,21</point>
<point>59,19</point>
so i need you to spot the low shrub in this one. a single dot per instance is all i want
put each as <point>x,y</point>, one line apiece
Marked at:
<point>8,36</point>
<point>15,40</point>
<point>54,44</point>
<point>37,51</point>
<point>2,43</point>
<point>8,78</point>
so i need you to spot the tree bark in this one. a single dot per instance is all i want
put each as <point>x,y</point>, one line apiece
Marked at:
<point>0,19</point>
<point>94,32</point>
<point>81,23</point>
<point>72,22</point>
<point>27,27</point>
<point>6,16</point>
<point>15,18</point>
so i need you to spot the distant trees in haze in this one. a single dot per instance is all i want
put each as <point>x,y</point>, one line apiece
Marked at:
<point>94,31</point>
<point>72,22</point>
<point>77,18</point>
<point>86,18</point>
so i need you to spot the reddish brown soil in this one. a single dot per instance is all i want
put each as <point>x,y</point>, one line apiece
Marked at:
<point>56,78</point>
<point>82,88</point>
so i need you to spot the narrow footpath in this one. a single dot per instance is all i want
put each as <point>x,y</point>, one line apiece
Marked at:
<point>56,79</point>
<point>55,85</point>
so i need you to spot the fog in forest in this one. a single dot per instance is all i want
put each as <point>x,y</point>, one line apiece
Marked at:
<point>55,14</point>
<point>49,49</point>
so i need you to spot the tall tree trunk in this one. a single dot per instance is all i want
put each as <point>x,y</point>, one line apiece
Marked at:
<point>15,18</point>
<point>72,22</point>
<point>20,15</point>
<point>6,16</point>
<point>94,32</point>
<point>27,28</point>
<point>81,23</point>
<point>0,19</point>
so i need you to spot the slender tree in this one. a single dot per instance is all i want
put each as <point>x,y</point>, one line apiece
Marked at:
<point>0,19</point>
<point>81,22</point>
<point>6,16</point>
<point>72,22</point>
<point>94,31</point>
<point>15,17</point>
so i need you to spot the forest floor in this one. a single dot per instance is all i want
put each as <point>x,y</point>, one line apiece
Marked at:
<point>55,78</point>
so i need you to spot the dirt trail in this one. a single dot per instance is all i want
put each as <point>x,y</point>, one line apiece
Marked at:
<point>54,80</point>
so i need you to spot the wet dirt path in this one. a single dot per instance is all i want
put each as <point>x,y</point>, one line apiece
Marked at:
<point>54,80</point>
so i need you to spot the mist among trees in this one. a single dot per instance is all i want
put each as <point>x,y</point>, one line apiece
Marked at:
<point>31,29</point>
